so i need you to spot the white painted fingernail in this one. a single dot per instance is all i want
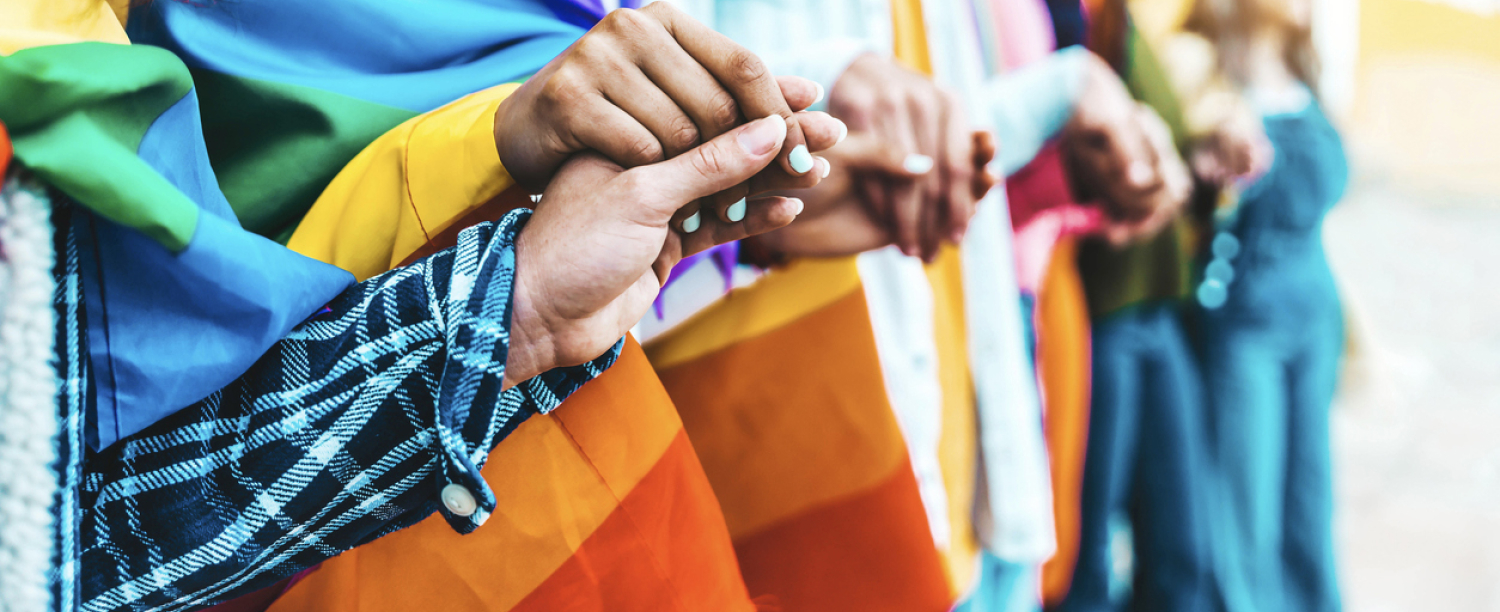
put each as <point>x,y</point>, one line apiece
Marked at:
<point>820,92</point>
<point>843,132</point>
<point>796,206</point>
<point>802,161</point>
<point>916,163</point>
<point>827,168</point>
<point>736,212</point>
<point>690,224</point>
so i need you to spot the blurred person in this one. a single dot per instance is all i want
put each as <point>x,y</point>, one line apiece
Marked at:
<point>1110,170</point>
<point>1272,326</point>
<point>114,127</point>
<point>1146,474</point>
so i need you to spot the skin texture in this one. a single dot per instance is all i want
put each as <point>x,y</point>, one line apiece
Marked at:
<point>1237,149</point>
<point>593,257</point>
<point>837,221</point>
<point>647,85</point>
<point>911,114</point>
<point>1120,153</point>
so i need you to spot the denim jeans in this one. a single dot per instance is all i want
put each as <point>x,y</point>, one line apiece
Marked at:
<point>1147,462</point>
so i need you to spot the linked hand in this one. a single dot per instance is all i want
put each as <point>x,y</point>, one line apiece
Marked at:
<point>647,85</point>
<point>594,255</point>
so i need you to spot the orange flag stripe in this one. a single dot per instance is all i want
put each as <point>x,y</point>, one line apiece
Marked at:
<point>573,488</point>
<point>799,441</point>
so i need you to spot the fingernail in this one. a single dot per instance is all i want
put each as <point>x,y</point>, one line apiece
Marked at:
<point>736,212</point>
<point>763,136</point>
<point>916,163</point>
<point>820,92</point>
<point>690,224</point>
<point>1140,173</point>
<point>827,167</point>
<point>843,132</point>
<point>802,161</point>
<point>796,206</point>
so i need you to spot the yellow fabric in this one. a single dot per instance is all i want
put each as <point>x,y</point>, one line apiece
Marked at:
<point>1063,361</point>
<point>1157,19</point>
<point>958,453</point>
<point>958,449</point>
<point>775,301</point>
<point>772,455</point>
<point>407,186</point>
<point>33,23</point>
<point>909,35</point>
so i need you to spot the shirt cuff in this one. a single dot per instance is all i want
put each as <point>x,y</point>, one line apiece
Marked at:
<point>473,414</point>
<point>1031,105</point>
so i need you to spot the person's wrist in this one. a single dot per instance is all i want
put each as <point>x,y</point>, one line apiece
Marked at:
<point>532,350</point>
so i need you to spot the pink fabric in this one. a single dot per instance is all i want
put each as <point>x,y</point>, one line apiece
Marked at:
<point>1043,210</point>
<point>1026,32</point>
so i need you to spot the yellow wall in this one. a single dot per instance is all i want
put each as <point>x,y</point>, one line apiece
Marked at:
<point>1427,103</point>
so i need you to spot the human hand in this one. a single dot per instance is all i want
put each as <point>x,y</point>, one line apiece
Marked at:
<point>1237,149</point>
<point>1108,154</point>
<point>1166,201</point>
<point>929,199</point>
<point>836,220</point>
<point>646,85</point>
<point>594,255</point>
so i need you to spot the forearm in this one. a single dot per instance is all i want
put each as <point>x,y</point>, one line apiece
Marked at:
<point>366,419</point>
<point>1030,106</point>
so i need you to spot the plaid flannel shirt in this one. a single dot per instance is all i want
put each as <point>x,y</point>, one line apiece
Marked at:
<point>348,429</point>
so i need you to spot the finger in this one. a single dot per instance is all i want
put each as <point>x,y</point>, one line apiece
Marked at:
<point>800,93</point>
<point>823,132</point>
<point>688,219</point>
<point>742,73</point>
<point>984,153</point>
<point>616,134</point>
<point>761,215</point>
<point>713,108</point>
<point>729,205</point>
<point>905,213</point>
<point>653,108</point>
<point>847,230</point>
<point>985,148</point>
<point>958,172</point>
<point>867,152</point>
<point>929,130</point>
<point>714,166</point>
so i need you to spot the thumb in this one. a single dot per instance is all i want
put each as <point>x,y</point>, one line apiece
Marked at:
<point>714,166</point>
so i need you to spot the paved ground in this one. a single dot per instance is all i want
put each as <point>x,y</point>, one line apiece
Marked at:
<point>1417,425</point>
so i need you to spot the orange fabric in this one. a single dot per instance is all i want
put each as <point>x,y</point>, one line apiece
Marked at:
<point>5,151</point>
<point>802,448</point>
<point>562,537</point>
<point>823,430</point>
<point>680,571</point>
<point>838,556</point>
<point>779,299</point>
<point>1063,361</point>
<point>958,444</point>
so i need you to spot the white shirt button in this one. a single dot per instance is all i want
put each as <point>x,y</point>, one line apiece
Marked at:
<point>459,500</point>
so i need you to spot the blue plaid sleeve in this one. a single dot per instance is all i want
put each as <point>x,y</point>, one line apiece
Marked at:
<point>364,420</point>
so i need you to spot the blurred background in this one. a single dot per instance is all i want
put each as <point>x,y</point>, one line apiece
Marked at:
<point>1416,85</point>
